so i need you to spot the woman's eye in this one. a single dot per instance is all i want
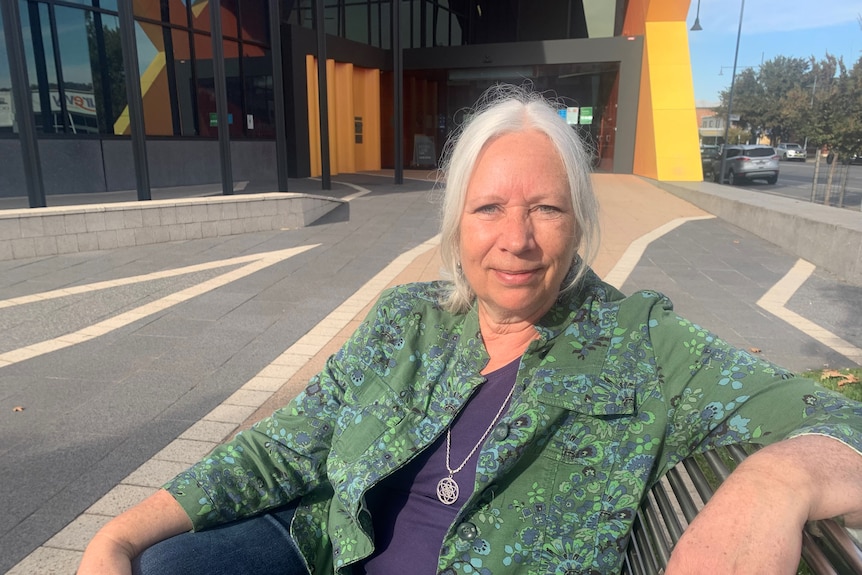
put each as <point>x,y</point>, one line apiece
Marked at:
<point>548,209</point>
<point>489,209</point>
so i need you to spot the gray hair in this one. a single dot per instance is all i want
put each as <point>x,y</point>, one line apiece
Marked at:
<point>502,110</point>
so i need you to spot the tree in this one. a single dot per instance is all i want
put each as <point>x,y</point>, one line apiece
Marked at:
<point>845,112</point>
<point>790,99</point>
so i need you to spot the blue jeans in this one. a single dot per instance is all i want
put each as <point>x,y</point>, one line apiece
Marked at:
<point>261,546</point>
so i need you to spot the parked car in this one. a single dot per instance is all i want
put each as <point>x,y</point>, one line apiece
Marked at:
<point>789,151</point>
<point>746,162</point>
<point>708,154</point>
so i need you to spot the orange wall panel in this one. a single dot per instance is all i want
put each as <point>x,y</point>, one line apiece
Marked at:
<point>351,92</point>
<point>341,116</point>
<point>313,115</point>
<point>366,98</point>
<point>331,89</point>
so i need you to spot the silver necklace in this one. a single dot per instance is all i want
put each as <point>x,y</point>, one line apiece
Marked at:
<point>447,488</point>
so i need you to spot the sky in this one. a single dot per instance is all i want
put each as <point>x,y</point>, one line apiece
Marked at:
<point>770,28</point>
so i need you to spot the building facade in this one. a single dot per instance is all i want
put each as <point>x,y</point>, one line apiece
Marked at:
<point>105,95</point>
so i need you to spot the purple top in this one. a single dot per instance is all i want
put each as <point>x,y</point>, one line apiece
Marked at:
<point>409,521</point>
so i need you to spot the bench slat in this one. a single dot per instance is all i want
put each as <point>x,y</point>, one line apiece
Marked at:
<point>827,547</point>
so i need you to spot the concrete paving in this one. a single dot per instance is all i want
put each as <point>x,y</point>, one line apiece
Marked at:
<point>129,364</point>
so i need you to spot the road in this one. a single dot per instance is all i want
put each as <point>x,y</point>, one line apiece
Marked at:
<point>796,178</point>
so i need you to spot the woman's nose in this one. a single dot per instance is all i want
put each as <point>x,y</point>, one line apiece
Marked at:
<point>516,232</point>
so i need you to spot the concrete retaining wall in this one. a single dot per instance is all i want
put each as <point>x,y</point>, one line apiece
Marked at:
<point>27,233</point>
<point>828,237</point>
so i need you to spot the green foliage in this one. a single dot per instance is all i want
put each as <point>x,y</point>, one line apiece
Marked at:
<point>791,99</point>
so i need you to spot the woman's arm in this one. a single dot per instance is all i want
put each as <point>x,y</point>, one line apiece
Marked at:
<point>111,551</point>
<point>753,524</point>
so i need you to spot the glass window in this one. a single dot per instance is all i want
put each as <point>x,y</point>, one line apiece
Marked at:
<point>376,39</point>
<point>383,27</point>
<point>41,68</point>
<point>104,4</point>
<point>259,105</point>
<point>330,20</point>
<point>255,21</point>
<point>173,11</point>
<point>168,11</point>
<point>7,118</point>
<point>229,18</point>
<point>152,65</point>
<point>200,15</point>
<point>298,12</point>
<point>184,72</point>
<point>204,87</point>
<point>430,12</point>
<point>413,39</point>
<point>149,10</point>
<point>356,20</point>
<point>75,32</point>
<point>233,85</point>
<point>106,61</point>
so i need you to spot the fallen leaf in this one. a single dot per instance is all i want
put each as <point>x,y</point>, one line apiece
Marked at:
<point>754,349</point>
<point>843,378</point>
<point>18,408</point>
<point>736,241</point>
<point>847,379</point>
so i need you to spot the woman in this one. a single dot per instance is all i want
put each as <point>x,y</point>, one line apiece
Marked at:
<point>508,421</point>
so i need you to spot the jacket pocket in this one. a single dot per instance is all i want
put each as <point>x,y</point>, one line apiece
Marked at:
<point>368,411</point>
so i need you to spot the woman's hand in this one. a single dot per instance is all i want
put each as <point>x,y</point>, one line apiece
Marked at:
<point>753,524</point>
<point>124,537</point>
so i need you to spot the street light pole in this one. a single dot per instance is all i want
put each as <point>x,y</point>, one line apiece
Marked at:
<point>730,95</point>
<point>813,88</point>
<point>696,26</point>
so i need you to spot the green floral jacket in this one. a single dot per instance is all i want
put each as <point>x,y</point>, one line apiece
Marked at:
<point>614,392</point>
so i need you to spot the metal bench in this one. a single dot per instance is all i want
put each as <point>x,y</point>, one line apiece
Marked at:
<point>827,547</point>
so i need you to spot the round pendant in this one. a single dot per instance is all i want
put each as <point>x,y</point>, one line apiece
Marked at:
<point>447,491</point>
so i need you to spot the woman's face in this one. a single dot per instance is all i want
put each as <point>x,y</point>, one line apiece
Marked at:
<point>517,228</point>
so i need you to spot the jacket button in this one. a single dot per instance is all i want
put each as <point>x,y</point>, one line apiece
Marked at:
<point>501,432</point>
<point>467,531</point>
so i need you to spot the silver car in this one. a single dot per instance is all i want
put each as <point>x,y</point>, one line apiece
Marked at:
<point>790,151</point>
<point>746,162</point>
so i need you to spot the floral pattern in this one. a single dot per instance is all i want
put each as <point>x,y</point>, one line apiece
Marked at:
<point>614,392</point>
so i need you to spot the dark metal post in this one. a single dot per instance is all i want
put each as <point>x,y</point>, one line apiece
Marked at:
<point>398,91</point>
<point>730,97</point>
<point>23,103</point>
<point>322,95</point>
<point>134,99</point>
<point>278,94</point>
<point>220,85</point>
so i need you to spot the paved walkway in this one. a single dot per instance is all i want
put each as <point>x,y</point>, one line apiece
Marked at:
<point>131,364</point>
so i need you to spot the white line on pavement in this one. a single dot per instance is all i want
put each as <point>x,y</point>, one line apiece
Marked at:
<point>623,268</point>
<point>256,262</point>
<point>777,297</point>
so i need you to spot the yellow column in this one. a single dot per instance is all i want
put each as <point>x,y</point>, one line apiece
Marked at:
<point>667,146</point>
